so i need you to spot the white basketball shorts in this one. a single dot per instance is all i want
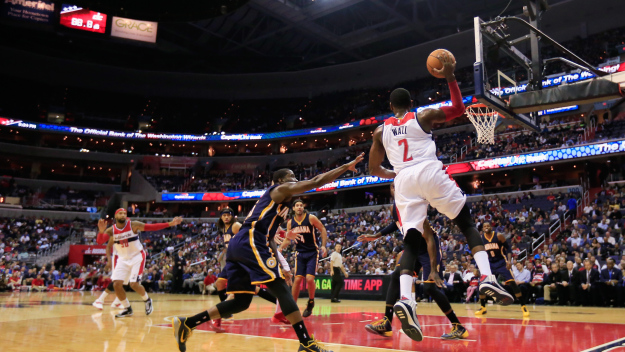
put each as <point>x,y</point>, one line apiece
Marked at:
<point>128,270</point>
<point>423,184</point>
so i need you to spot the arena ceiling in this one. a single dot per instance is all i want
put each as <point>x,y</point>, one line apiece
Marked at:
<point>270,35</point>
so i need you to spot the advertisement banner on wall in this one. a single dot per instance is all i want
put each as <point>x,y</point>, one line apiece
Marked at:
<point>128,28</point>
<point>78,252</point>
<point>31,11</point>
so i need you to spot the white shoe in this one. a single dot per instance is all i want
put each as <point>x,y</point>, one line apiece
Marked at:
<point>406,311</point>
<point>117,305</point>
<point>488,286</point>
<point>97,304</point>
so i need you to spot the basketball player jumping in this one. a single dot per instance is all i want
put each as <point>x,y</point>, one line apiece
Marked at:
<point>500,257</point>
<point>428,257</point>
<point>251,261</point>
<point>129,260</point>
<point>420,179</point>
<point>307,251</point>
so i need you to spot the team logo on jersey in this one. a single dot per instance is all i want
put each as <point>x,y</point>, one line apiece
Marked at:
<point>271,262</point>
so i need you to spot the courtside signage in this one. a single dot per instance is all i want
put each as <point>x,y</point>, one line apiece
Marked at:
<point>31,11</point>
<point>128,28</point>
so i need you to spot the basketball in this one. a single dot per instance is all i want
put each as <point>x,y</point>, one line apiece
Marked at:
<point>434,63</point>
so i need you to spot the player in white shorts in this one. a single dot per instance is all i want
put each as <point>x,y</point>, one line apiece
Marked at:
<point>420,179</point>
<point>129,261</point>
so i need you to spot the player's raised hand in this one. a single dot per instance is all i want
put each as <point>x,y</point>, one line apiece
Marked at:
<point>293,236</point>
<point>351,166</point>
<point>449,65</point>
<point>102,225</point>
<point>176,221</point>
<point>437,279</point>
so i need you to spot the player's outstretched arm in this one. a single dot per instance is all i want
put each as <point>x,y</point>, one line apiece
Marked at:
<point>376,156</point>
<point>289,189</point>
<point>140,226</point>
<point>446,113</point>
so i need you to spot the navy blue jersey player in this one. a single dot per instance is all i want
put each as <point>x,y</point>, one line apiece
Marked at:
<point>500,257</point>
<point>227,228</point>
<point>250,258</point>
<point>308,229</point>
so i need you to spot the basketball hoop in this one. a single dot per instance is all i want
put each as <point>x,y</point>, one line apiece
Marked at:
<point>484,119</point>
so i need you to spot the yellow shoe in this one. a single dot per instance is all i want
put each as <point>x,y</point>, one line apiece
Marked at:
<point>526,313</point>
<point>482,311</point>
<point>458,332</point>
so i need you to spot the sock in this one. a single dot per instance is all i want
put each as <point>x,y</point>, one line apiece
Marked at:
<point>405,286</point>
<point>222,295</point>
<point>389,314</point>
<point>194,321</point>
<point>311,302</point>
<point>302,333</point>
<point>483,302</point>
<point>116,301</point>
<point>145,297</point>
<point>278,309</point>
<point>125,303</point>
<point>453,318</point>
<point>102,297</point>
<point>264,294</point>
<point>481,258</point>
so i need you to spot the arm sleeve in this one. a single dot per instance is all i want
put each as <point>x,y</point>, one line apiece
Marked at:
<point>457,106</point>
<point>283,262</point>
<point>389,229</point>
<point>156,227</point>
<point>102,238</point>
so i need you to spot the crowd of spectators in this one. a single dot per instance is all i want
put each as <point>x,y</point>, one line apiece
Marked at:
<point>583,264</point>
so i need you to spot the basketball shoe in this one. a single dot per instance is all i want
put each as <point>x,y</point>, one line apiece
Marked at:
<point>127,312</point>
<point>406,310</point>
<point>491,288</point>
<point>181,332</point>
<point>309,308</point>
<point>526,313</point>
<point>457,332</point>
<point>97,304</point>
<point>482,311</point>
<point>117,304</point>
<point>215,325</point>
<point>313,346</point>
<point>279,318</point>
<point>381,327</point>
<point>148,307</point>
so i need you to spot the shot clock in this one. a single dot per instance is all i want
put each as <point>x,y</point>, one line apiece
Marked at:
<point>84,19</point>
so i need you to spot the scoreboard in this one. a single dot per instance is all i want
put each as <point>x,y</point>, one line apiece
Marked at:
<point>83,19</point>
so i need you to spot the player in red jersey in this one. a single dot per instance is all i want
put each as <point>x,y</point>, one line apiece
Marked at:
<point>129,260</point>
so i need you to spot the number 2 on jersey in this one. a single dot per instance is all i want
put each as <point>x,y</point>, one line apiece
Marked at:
<point>405,143</point>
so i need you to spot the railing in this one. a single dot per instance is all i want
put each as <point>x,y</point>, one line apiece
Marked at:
<point>463,151</point>
<point>453,158</point>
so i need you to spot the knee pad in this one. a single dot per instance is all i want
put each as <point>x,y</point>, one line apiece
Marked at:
<point>240,303</point>
<point>429,288</point>
<point>464,219</point>
<point>281,291</point>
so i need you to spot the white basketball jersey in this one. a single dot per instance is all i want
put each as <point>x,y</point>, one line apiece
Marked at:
<point>127,243</point>
<point>406,143</point>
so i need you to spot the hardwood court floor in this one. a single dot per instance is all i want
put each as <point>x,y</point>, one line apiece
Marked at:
<point>68,322</point>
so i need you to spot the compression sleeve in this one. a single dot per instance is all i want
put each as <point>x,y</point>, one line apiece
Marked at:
<point>283,263</point>
<point>156,227</point>
<point>102,238</point>
<point>389,229</point>
<point>457,106</point>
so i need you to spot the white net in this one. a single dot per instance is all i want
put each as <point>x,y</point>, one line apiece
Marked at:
<point>484,119</point>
